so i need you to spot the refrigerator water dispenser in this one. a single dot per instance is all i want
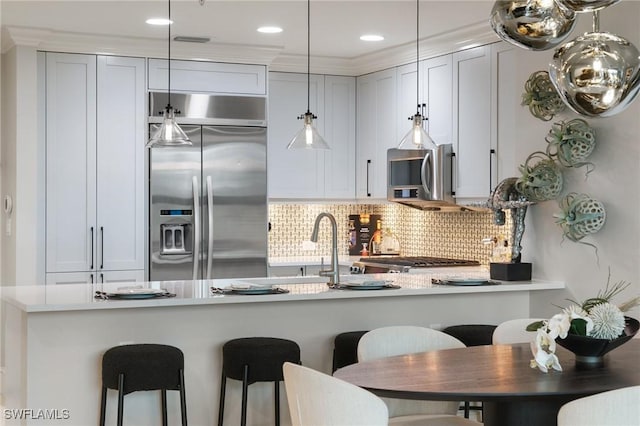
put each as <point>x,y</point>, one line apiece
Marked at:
<point>175,238</point>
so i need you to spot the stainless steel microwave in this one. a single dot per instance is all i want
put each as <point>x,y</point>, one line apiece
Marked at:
<point>421,178</point>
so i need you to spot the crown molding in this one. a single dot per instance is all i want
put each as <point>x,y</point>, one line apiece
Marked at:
<point>272,56</point>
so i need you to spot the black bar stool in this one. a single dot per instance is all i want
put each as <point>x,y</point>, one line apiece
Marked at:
<point>143,367</point>
<point>345,348</point>
<point>471,335</point>
<point>255,359</point>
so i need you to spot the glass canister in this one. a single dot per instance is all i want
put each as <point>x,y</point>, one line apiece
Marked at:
<point>389,243</point>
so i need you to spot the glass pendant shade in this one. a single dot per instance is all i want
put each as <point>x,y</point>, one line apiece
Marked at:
<point>169,133</point>
<point>417,137</point>
<point>308,137</point>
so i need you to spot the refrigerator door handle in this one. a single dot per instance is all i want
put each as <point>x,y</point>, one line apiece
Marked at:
<point>210,226</point>
<point>196,226</point>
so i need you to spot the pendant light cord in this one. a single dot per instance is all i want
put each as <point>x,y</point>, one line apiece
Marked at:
<point>169,60</point>
<point>308,56</point>
<point>418,55</point>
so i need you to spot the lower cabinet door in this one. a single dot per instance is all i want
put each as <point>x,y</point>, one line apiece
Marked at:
<point>71,278</point>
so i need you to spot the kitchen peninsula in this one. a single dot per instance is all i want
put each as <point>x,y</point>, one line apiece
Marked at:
<point>55,335</point>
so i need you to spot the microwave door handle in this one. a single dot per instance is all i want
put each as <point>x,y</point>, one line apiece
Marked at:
<point>210,227</point>
<point>196,226</point>
<point>425,174</point>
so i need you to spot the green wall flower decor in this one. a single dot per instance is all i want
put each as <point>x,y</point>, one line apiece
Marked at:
<point>541,96</point>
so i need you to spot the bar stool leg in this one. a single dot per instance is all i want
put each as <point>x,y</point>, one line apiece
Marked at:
<point>120,398</point>
<point>163,398</point>
<point>277,401</point>
<point>245,389</point>
<point>183,399</point>
<point>223,386</point>
<point>103,405</point>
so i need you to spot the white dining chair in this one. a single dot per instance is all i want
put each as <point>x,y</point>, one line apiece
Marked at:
<point>402,340</point>
<point>316,398</point>
<point>514,331</point>
<point>620,407</point>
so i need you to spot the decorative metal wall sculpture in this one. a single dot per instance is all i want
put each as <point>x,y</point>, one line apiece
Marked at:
<point>532,24</point>
<point>541,181</point>
<point>571,143</point>
<point>542,97</point>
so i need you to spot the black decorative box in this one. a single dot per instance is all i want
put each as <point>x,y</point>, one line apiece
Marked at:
<point>510,271</point>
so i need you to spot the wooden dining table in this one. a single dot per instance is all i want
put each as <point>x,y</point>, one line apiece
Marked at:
<point>512,393</point>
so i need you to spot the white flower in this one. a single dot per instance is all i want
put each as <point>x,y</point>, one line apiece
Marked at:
<point>559,325</point>
<point>608,321</point>
<point>576,312</point>
<point>543,359</point>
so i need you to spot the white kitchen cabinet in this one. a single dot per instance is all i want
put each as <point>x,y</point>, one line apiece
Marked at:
<point>472,124</point>
<point>208,77</point>
<point>505,105</point>
<point>286,271</point>
<point>95,112</point>
<point>340,134</point>
<point>434,92</point>
<point>376,124</point>
<point>311,174</point>
<point>296,173</point>
<point>95,277</point>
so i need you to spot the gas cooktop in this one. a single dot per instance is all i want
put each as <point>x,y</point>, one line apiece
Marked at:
<point>418,261</point>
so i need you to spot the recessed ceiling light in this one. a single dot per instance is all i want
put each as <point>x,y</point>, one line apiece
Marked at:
<point>158,21</point>
<point>371,37</point>
<point>270,30</point>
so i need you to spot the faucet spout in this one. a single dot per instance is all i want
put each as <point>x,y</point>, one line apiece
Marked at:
<point>334,272</point>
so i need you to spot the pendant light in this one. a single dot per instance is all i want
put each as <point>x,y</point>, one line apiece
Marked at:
<point>169,133</point>
<point>417,137</point>
<point>308,137</point>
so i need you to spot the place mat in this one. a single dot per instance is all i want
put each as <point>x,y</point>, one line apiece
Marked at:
<point>248,291</point>
<point>133,296</point>
<point>385,286</point>
<point>463,281</point>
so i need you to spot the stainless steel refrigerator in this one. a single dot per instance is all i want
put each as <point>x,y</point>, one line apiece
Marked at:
<point>208,202</point>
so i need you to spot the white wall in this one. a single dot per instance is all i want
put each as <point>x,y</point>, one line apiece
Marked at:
<point>614,182</point>
<point>20,171</point>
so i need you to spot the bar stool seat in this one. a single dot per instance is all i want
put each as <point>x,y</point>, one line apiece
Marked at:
<point>143,367</point>
<point>345,348</point>
<point>255,359</point>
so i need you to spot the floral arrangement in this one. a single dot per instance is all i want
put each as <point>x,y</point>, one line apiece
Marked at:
<point>596,317</point>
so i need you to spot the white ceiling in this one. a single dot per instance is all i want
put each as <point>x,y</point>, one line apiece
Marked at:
<point>335,25</point>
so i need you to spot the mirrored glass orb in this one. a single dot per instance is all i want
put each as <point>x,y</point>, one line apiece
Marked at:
<point>532,24</point>
<point>596,74</point>
<point>587,5</point>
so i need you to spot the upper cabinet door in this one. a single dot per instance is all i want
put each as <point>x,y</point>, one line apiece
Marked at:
<point>436,75</point>
<point>376,132</point>
<point>472,118</point>
<point>340,134</point>
<point>407,98</point>
<point>296,173</point>
<point>120,162</point>
<point>208,77</point>
<point>71,171</point>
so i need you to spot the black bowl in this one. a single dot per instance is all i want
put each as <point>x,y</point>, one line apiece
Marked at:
<point>590,351</point>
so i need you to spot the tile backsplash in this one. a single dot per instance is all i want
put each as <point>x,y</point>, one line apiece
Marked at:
<point>440,234</point>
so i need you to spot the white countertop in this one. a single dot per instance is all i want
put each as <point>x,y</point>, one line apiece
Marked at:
<point>78,297</point>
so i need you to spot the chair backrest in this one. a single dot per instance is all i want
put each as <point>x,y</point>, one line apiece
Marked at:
<point>514,331</point>
<point>319,399</point>
<point>402,340</point>
<point>620,407</point>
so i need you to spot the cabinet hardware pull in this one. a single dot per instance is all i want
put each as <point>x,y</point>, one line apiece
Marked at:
<point>91,278</point>
<point>91,266</point>
<point>453,188</point>
<point>368,167</point>
<point>492,152</point>
<point>101,247</point>
<point>102,278</point>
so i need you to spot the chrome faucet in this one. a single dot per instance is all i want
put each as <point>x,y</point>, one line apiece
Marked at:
<point>334,272</point>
